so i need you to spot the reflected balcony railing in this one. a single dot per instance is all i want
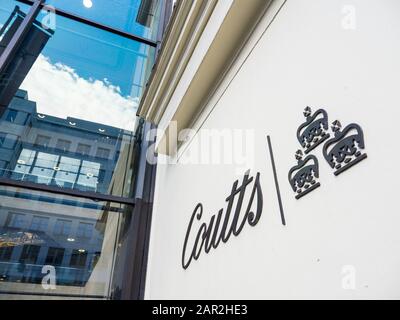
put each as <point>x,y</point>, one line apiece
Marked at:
<point>49,180</point>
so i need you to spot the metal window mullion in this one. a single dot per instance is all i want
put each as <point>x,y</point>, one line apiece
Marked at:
<point>19,36</point>
<point>33,165</point>
<point>77,173</point>
<point>97,25</point>
<point>53,176</point>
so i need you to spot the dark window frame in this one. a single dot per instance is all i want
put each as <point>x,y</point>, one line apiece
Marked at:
<point>7,137</point>
<point>103,153</point>
<point>65,225</point>
<point>97,25</point>
<point>83,149</point>
<point>63,145</point>
<point>29,254</point>
<point>6,253</point>
<point>36,223</point>
<point>84,230</point>
<point>40,138</point>
<point>78,259</point>
<point>55,256</point>
<point>10,221</point>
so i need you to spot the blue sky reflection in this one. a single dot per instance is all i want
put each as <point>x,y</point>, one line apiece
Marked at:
<point>87,73</point>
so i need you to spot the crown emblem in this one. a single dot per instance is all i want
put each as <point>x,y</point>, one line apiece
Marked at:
<point>303,177</point>
<point>344,150</point>
<point>314,131</point>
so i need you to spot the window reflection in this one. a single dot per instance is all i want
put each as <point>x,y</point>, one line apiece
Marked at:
<point>55,256</point>
<point>48,150</point>
<point>8,140</point>
<point>85,73</point>
<point>140,17</point>
<point>75,236</point>
<point>16,220</point>
<point>39,223</point>
<point>62,227</point>
<point>75,130</point>
<point>72,95</point>
<point>17,117</point>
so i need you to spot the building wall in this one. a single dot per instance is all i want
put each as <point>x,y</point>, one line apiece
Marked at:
<point>302,53</point>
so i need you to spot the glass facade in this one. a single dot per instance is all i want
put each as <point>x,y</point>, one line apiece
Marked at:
<point>64,152</point>
<point>98,75</point>
<point>138,17</point>
<point>69,142</point>
<point>56,245</point>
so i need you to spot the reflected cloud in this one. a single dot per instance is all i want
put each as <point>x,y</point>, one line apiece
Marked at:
<point>59,91</point>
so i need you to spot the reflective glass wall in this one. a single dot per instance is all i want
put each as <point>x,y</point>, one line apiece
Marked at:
<point>68,101</point>
<point>56,246</point>
<point>137,17</point>
<point>69,152</point>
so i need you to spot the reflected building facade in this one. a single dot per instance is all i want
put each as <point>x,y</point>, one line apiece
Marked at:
<point>65,153</point>
<point>68,153</point>
<point>32,240</point>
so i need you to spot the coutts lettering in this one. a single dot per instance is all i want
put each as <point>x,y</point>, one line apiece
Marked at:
<point>210,235</point>
<point>342,152</point>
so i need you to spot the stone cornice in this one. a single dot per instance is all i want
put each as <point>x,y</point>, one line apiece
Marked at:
<point>192,25</point>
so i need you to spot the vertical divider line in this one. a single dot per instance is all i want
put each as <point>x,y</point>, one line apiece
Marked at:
<point>271,153</point>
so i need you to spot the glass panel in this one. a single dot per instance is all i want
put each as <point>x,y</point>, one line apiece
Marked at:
<point>15,116</point>
<point>140,17</point>
<point>71,122</point>
<point>87,63</point>
<point>53,244</point>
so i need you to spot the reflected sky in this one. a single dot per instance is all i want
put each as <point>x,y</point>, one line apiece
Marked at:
<point>87,73</point>
<point>119,14</point>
